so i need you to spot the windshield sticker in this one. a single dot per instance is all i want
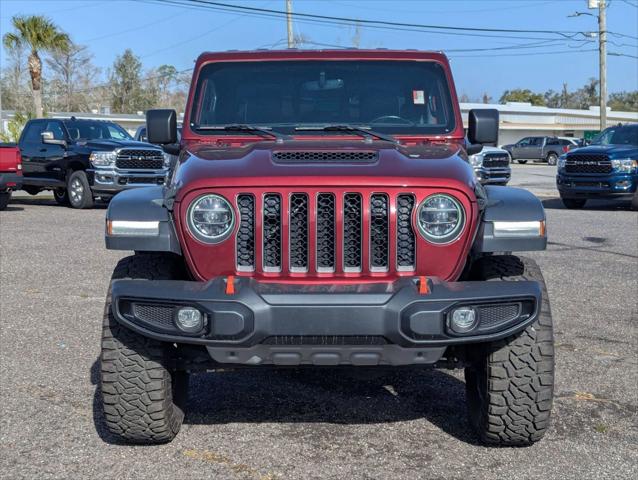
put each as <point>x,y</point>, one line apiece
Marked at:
<point>418,97</point>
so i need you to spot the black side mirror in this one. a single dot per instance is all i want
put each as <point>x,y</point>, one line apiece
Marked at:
<point>161,126</point>
<point>48,138</point>
<point>483,126</point>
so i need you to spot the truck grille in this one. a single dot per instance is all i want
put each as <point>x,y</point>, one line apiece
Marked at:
<point>140,159</point>
<point>345,232</point>
<point>584,163</point>
<point>495,160</point>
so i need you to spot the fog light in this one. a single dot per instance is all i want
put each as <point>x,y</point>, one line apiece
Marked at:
<point>462,319</point>
<point>189,320</point>
<point>623,184</point>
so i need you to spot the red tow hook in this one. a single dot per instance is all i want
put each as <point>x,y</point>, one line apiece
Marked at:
<point>424,288</point>
<point>230,285</point>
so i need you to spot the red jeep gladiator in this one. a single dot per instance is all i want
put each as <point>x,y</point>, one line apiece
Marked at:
<point>10,172</point>
<point>323,213</point>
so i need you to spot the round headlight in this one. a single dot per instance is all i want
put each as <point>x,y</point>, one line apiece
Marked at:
<point>440,218</point>
<point>211,218</point>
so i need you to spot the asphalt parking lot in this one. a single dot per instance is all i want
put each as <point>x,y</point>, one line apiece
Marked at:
<point>294,424</point>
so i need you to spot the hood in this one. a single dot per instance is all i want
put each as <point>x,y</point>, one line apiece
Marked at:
<point>612,151</point>
<point>324,163</point>
<point>492,150</point>
<point>111,144</point>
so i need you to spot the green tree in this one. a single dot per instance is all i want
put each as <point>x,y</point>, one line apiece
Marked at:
<point>39,34</point>
<point>14,127</point>
<point>522,95</point>
<point>127,92</point>
<point>624,101</point>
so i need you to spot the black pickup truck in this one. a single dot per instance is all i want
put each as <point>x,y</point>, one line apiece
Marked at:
<point>83,159</point>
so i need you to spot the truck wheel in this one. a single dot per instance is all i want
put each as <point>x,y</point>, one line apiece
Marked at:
<point>4,199</point>
<point>552,159</point>
<point>79,190</point>
<point>143,398</point>
<point>573,203</point>
<point>510,382</point>
<point>61,196</point>
<point>522,162</point>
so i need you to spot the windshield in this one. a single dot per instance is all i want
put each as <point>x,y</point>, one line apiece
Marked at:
<point>624,135</point>
<point>83,130</point>
<point>389,96</point>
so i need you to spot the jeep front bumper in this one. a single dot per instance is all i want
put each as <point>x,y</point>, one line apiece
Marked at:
<point>254,323</point>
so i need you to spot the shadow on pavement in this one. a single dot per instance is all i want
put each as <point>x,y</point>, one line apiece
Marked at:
<point>327,395</point>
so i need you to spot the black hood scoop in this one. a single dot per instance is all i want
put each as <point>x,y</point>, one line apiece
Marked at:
<point>325,156</point>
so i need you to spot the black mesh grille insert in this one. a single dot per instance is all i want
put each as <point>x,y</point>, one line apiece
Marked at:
<point>492,160</point>
<point>325,340</point>
<point>161,315</point>
<point>272,232</point>
<point>492,315</point>
<point>246,232</point>
<point>140,159</point>
<point>325,232</point>
<point>299,232</point>
<point>324,156</point>
<point>406,240</point>
<point>379,231</point>
<point>587,163</point>
<point>352,224</point>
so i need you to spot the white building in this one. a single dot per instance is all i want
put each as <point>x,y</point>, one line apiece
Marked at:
<point>517,120</point>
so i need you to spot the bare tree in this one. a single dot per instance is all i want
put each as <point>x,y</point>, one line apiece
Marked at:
<point>73,78</point>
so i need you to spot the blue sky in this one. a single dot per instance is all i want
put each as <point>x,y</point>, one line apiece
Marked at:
<point>162,33</point>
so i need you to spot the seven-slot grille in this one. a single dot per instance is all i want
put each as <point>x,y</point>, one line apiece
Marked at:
<point>495,160</point>
<point>298,232</point>
<point>587,163</point>
<point>140,159</point>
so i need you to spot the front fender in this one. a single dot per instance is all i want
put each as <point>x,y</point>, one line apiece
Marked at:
<point>511,206</point>
<point>138,220</point>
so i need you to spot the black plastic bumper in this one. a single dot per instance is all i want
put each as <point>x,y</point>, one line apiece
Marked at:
<point>284,324</point>
<point>10,181</point>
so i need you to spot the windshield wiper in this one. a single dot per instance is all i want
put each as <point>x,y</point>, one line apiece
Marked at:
<point>244,128</point>
<point>364,131</point>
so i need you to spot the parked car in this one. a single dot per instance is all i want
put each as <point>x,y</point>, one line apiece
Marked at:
<point>10,172</point>
<point>545,149</point>
<point>492,166</point>
<point>608,168</point>
<point>83,159</point>
<point>315,221</point>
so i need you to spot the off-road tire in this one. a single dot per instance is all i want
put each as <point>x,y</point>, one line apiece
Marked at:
<point>522,162</point>
<point>510,382</point>
<point>573,203</point>
<point>85,196</point>
<point>552,159</point>
<point>142,396</point>
<point>61,196</point>
<point>4,199</point>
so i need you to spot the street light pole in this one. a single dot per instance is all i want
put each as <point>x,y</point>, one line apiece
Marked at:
<point>602,62</point>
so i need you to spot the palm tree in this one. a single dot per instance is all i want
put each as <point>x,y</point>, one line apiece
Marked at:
<point>40,35</point>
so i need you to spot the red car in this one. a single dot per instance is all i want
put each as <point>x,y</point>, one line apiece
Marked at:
<point>324,213</point>
<point>10,172</point>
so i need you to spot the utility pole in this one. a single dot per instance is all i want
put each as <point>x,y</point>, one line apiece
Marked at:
<point>602,52</point>
<point>291,37</point>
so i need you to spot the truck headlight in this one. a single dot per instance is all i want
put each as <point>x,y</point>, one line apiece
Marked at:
<point>625,165</point>
<point>561,161</point>
<point>476,160</point>
<point>167,159</point>
<point>440,218</point>
<point>103,159</point>
<point>210,218</point>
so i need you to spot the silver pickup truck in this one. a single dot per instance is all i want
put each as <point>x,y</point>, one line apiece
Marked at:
<point>540,149</point>
<point>492,166</point>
